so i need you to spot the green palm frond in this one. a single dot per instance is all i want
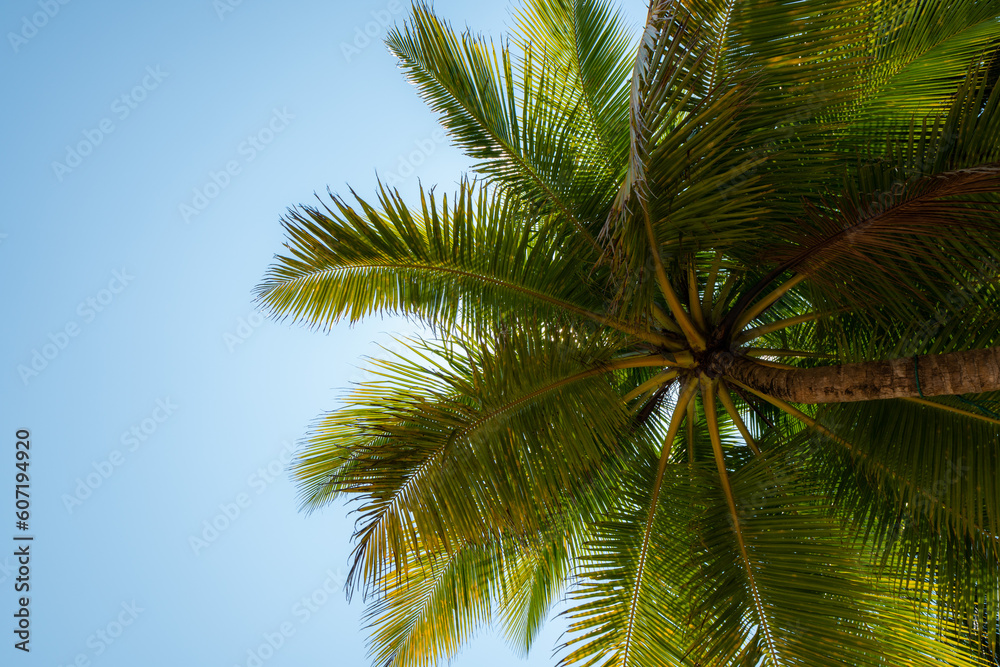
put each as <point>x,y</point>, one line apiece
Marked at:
<point>922,51</point>
<point>464,440</point>
<point>521,141</point>
<point>480,248</point>
<point>428,612</point>
<point>536,581</point>
<point>670,236</point>
<point>632,604</point>
<point>588,51</point>
<point>926,474</point>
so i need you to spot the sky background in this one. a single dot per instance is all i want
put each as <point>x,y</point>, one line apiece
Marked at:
<point>149,151</point>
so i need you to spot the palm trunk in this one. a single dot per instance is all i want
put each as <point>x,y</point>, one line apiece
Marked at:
<point>972,371</point>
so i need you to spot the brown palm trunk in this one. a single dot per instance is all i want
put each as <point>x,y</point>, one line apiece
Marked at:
<point>973,371</point>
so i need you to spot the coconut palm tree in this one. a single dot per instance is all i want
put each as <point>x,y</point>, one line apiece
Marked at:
<point>713,354</point>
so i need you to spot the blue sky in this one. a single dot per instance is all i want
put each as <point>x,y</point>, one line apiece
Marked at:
<point>149,150</point>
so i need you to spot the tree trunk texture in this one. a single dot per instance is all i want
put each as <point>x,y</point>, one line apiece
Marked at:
<point>972,371</point>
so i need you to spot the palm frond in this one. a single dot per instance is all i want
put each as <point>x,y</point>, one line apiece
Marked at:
<point>689,258</point>
<point>523,143</point>
<point>348,262</point>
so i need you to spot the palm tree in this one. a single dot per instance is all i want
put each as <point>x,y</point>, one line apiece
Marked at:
<point>714,348</point>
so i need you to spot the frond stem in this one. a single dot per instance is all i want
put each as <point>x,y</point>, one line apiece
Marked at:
<point>758,308</point>
<point>687,393</point>
<point>949,408</point>
<point>764,329</point>
<point>734,414</point>
<point>711,419</point>
<point>694,337</point>
<point>658,380</point>
<point>933,500</point>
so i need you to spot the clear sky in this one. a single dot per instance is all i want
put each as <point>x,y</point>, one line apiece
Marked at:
<point>149,150</point>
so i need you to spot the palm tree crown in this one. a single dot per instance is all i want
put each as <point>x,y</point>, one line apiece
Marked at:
<point>715,339</point>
